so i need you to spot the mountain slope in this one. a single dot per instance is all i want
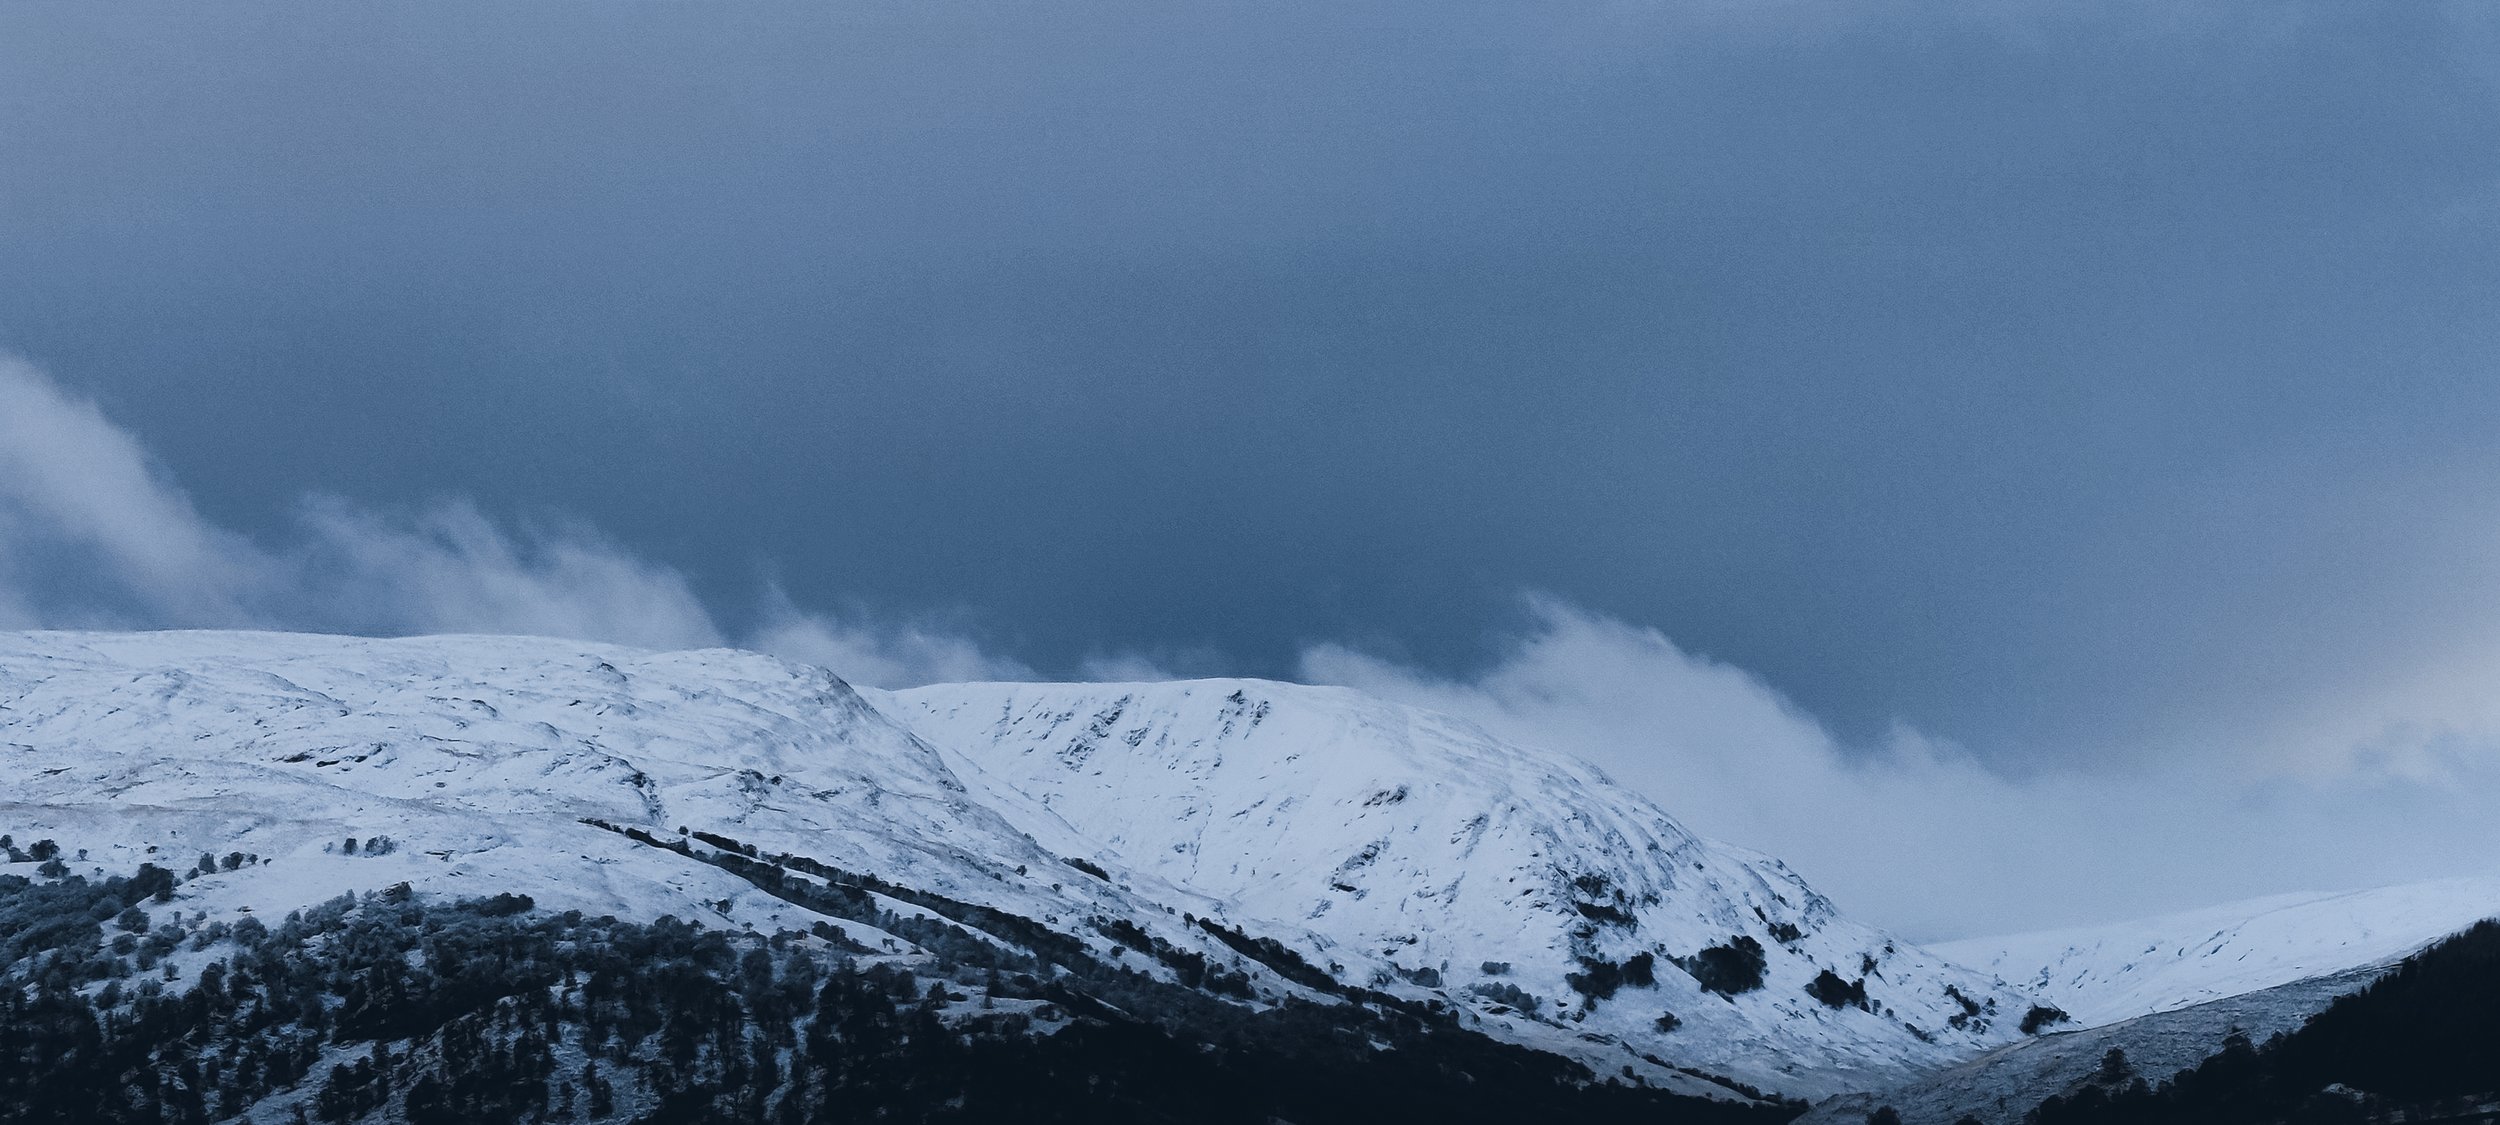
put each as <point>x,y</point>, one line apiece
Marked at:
<point>1423,852</point>
<point>2102,974</point>
<point>474,762</point>
<point>2005,1083</point>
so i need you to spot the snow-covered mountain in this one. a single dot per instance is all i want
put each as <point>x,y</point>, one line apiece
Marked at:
<point>2103,974</point>
<point>1418,849</point>
<point>478,758</point>
<point>1250,829</point>
<point>1403,851</point>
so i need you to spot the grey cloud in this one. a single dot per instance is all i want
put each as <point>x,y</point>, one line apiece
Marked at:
<point>450,569</point>
<point>887,655</point>
<point>1918,834</point>
<point>70,475</point>
<point>68,471</point>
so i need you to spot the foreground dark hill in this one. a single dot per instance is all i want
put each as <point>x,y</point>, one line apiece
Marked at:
<point>2421,1043</point>
<point>2179,986</point>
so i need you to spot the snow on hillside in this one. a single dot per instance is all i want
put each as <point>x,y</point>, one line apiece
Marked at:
<point>2008,1082</point>
<point>1424,852</point>
<point>477,758</point>
<point>2102,974</point>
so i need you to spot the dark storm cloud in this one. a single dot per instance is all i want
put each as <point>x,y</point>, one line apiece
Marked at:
<point>94,534</point>
<point>2075,383</point>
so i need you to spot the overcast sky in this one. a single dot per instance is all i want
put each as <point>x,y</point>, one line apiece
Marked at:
<point>2053,394</point>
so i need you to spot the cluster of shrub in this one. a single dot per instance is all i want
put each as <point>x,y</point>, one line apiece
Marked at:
<point>2042,1016</point>
<point>37,852</point>
<point>392,1006</point>
<point>61,920</point>
<point>1601,902</point>
<point>1732,968</point>
<point>1274,955</point>
<point>947,930</point>
<point>44,853</point>
<point>1974,1014</point>
<point>1188,965</point>
<point>1600,979</point>
<point>1833,992</point>
<point>1505,993</point>
<point>210,864</point>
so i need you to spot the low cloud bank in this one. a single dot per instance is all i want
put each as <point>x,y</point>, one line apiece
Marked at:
<point>94,534</point>
<point>1916,833</point>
